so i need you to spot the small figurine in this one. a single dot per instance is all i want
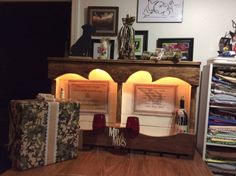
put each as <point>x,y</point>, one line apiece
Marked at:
<point>233,36</point>
<point>227,44</point>
<point>83,46</point>
<point>126,42</point>
<point>224,44</point>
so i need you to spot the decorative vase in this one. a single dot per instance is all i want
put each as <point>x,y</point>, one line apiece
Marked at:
<point>126,42</point>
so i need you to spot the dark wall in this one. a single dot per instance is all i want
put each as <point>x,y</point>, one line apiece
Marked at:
<point>29,33</point>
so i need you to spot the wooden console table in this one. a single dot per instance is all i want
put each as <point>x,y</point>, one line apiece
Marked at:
<point>120,70</point>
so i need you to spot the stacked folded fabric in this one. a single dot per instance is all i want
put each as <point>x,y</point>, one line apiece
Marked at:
<point>220,154</point>
<point>221,160</point>
<point>221,135</point>
<point>222,117</point>
<point>221,168</point>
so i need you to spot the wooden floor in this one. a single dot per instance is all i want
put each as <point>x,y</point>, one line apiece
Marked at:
<point>98,162</point>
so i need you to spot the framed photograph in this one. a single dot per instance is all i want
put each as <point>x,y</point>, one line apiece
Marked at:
<point>104,19</point>
<point>141,43</point>
<point>95,48</point>
<point>92,95</point>
<point>159,11</point>
<point>153,99</point>
<point>185,45</point>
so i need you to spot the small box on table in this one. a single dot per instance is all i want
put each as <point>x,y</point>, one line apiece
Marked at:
<point>42,132</point>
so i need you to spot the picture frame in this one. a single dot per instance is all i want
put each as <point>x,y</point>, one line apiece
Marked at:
<point>184,44</point>
<point>141,43</point>
<point>155,99</point>
<point>96,43</point>
<point>153,11</point>
<point>104,19</point>
<point>92,95</point>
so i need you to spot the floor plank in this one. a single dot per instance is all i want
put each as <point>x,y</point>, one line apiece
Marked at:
<point>98,162</point>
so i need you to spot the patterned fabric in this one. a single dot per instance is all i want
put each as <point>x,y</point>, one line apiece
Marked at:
<point>67,135</point>
<point>28,132</point>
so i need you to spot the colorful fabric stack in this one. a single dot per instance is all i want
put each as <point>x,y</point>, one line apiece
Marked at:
<point>221,117</point>
<point>222,120</point>
<point>221,136</point>
<point>43,133</point>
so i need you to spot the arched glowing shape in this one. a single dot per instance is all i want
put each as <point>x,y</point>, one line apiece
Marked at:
<point>171,81</point>
<point>98,74</point>
<point>62,82</point>
<point>70,76</point>
<point>140,77</point>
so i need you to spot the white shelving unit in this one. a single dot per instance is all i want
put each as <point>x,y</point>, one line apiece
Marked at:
<point>205,106</point>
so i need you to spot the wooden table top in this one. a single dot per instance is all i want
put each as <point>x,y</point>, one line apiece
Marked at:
<point>98,162</point>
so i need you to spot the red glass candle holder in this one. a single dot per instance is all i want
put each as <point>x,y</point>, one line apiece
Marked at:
<point>99,123</point>
<point>132,126</point>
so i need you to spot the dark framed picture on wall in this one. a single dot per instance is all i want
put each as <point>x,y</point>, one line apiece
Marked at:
<point>96,45</point>
<point>141,43</point>
<point>185,45</point>
<point>104,20</point>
